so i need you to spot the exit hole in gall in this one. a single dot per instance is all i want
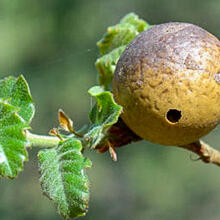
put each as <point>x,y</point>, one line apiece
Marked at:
<point>173,115</point>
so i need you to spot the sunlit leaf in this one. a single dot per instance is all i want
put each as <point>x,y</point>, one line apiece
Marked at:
<point>106,66</point>
<point>16,112</point>
<point>17,93</point>
<point>122,33</point>
<point>12,141</point>
<point>103,115</point>
<point>63,177</point>
<point>114,42</point>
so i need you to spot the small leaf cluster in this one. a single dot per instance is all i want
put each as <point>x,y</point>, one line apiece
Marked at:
<point>114,42</point>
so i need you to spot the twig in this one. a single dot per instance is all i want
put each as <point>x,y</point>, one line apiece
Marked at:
<point>205,152</point>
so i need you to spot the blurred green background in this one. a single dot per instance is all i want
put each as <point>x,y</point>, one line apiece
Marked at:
<point>53,43</point>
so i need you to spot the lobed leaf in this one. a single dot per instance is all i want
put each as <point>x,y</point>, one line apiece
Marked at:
<point>106,66</point>
<point>103,115</point>
<point>122,33</point>
<point>16,111</point>
<point>12,141</point>
<point>63,178</point>
<point>114,42</point>
<point>17,93</point>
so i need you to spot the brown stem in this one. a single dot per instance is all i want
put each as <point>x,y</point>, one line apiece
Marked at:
<point>118,135</point>
<point>206,153</point>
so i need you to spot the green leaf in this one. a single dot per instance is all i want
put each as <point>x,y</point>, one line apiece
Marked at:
<point>12,141</point>
<point>122,33</point>
<point>63,178</point>
<point>114,42</point>
<point>16,112</point>
<point>17,93</point>
<point>106,66</point>
<point>103,115</point>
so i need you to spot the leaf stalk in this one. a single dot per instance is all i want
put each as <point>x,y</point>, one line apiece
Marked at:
<point>42,141</point>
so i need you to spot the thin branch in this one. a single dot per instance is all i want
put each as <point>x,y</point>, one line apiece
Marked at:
<point>205,152</point>
<point>41,140</point>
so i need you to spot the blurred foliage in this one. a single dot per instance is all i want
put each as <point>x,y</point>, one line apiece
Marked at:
<point>53,43</point>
